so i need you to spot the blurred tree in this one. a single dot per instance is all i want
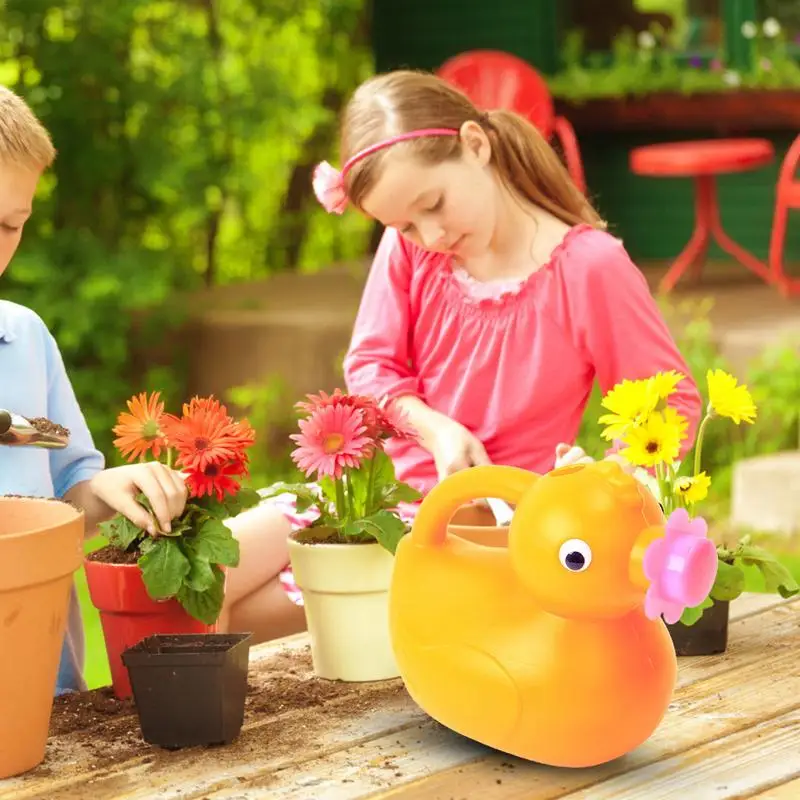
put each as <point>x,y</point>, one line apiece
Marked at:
<point>186,130</point>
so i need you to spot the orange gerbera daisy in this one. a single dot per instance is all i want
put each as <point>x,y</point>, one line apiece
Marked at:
<point>205,434</point>
<point>140,431</point>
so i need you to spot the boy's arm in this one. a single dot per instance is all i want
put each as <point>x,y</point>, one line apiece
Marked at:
<point>72,468</point>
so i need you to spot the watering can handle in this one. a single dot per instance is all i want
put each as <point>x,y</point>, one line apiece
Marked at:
<point>474,483</point>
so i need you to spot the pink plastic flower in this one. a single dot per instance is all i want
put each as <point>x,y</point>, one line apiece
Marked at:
<point>681,567</point>
<point>328,185</point>
<point>331,439</point>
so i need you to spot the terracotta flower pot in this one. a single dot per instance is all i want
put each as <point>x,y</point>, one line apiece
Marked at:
<point>128,614</point>
<point>477,524</point>
<point>40,549</point>
<point>346,599</point>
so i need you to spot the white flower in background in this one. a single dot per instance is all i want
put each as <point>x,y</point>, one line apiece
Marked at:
<point>646,40</point>
<point>732,77</point>
<point>749,29</point>
<point>771,27</point>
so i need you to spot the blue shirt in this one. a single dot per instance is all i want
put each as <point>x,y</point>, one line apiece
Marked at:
<point>34,383</point>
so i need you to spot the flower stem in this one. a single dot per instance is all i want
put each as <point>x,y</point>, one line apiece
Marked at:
<point>341,501</point>
<point>169,458</point>
<point>370,486</point>
<point>698,447</point>
<point>351,497</point>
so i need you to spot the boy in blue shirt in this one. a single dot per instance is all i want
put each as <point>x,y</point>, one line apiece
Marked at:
<point>34,383</point>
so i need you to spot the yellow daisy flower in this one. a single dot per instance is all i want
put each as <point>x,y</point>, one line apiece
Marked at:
<point>656,441</point>
<point>631,402</point>
<point>726,398</point>
<point>693,490</point>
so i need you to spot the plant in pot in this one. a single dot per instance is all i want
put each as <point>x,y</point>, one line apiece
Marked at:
<point>172,582</point>
<point>342,562</point>
<point>648,435</point>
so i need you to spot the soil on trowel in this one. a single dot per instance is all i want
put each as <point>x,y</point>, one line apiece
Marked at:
<point>44,425</point>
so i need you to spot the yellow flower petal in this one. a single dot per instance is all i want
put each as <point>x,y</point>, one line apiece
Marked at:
<point>693,490</point>
<point>657,441</point>
<point>727,398</point>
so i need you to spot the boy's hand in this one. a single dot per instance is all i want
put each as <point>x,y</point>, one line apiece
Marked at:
<point>163,487</point>
<point>567,455</point>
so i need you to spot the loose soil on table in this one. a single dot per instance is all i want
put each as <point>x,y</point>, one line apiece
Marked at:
<point>113,555</point>
<point>285,703</point>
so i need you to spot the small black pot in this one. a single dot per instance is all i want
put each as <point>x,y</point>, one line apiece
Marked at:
<point>189,689</point>
<point>708,636</point>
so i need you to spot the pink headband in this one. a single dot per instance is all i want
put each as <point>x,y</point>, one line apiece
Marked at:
<point>328,181</point>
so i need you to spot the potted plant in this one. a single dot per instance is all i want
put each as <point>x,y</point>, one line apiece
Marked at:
<point>648,435</point>
<point>343,560</point>
<point>189,689</point>
<point>40,550</point>
<point>172,581</point>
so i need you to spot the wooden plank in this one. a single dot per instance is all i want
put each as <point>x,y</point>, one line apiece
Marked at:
<point>786,791</point>
<point>753,603</point>
<point>703,711</point>
<point>439,766</point>
<point>747,761</point>
<point>272,744</point>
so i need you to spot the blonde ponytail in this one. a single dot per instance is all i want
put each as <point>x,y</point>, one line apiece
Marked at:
<point>530,167</point>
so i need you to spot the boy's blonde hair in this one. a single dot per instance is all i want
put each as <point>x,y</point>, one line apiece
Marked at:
<point>24,141</point>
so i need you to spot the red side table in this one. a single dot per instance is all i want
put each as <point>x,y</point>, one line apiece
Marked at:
<point>703,161</point>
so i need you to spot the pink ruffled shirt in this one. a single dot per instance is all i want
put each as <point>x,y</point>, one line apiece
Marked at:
<point>513,362</point>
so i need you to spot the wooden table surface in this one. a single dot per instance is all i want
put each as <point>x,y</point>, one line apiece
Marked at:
<point>733,731</point>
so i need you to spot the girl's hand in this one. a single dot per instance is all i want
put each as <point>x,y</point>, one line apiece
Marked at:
<point>163,487</point>
<point>567,455</point>
<point>454,448</point>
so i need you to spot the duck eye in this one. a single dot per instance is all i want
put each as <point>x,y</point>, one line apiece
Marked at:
<point>575,555</point>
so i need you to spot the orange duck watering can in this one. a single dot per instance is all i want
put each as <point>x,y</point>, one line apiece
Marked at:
<point>553,649</point>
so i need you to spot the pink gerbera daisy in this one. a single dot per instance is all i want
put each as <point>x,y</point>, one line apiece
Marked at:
<point>331,439</point>
<point>393,421</point>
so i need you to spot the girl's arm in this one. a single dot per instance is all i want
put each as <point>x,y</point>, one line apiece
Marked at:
<point>622,330</point>
<point>378,360</point>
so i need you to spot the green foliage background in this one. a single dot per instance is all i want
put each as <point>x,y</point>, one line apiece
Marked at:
<point>186,133</point>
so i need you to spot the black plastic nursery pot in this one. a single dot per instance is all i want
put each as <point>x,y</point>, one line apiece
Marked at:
<point>189,689</point>
<point>709,635</point>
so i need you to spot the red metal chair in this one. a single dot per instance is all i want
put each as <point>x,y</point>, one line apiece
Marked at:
<point>787,196</point>
<point>494,79</point>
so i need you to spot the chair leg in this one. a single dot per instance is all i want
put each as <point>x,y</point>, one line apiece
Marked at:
<point>697,246</point>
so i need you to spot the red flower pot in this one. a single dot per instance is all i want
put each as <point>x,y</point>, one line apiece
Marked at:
<point>128,615</point>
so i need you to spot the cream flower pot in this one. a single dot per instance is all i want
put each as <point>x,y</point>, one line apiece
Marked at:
<point>346,596</point>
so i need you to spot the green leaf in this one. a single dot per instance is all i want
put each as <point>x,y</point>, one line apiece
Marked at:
<point>164,566</point>
<point>206,605</point>
<point>692,615</point>
<point>306,495</point>
<point>777,578</point>
<point>729,583</point>
<point>200,576</point>
<point>121,532</point>
<point>215,542</point>
<point>399,493</point>
<point>231,506</point>
<point>386,528</point>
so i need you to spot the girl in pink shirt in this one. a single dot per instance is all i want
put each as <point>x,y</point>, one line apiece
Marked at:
<point>496,298</point>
